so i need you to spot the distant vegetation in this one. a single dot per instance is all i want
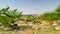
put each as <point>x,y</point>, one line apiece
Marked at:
<point>50,16</point>
<point>7,16</point>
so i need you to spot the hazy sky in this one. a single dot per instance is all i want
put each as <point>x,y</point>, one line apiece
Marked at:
<point>30,6</point>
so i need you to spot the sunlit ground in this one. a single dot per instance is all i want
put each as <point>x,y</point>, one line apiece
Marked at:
<point>33,31</point>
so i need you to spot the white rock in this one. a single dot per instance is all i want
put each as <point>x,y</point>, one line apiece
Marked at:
<point>57,27</point>
<point>35,27</point>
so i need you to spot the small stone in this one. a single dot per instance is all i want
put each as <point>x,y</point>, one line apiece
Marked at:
<point>57,27</point>
<point>0,24</point>
<point>1,32</point>
<point>36,28</point>
<point>25,24</point>
<point>7,28</point>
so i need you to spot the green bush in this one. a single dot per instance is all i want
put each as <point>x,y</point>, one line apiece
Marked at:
<point>7,16</point>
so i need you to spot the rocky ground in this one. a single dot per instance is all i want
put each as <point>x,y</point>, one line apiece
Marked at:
<point>44,28</point>
<point>33,31</point>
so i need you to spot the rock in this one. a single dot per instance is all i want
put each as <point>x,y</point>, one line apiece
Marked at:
<point>20,23</point>
<point>24,24</point>
<point>57,27</point>
<point>7,28</point>
<point>54,24</point>
<point>29,24</point>
<point>0,24</point>
<point>35,27</point>
<point>15,26</point>
<point>1,32</point>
